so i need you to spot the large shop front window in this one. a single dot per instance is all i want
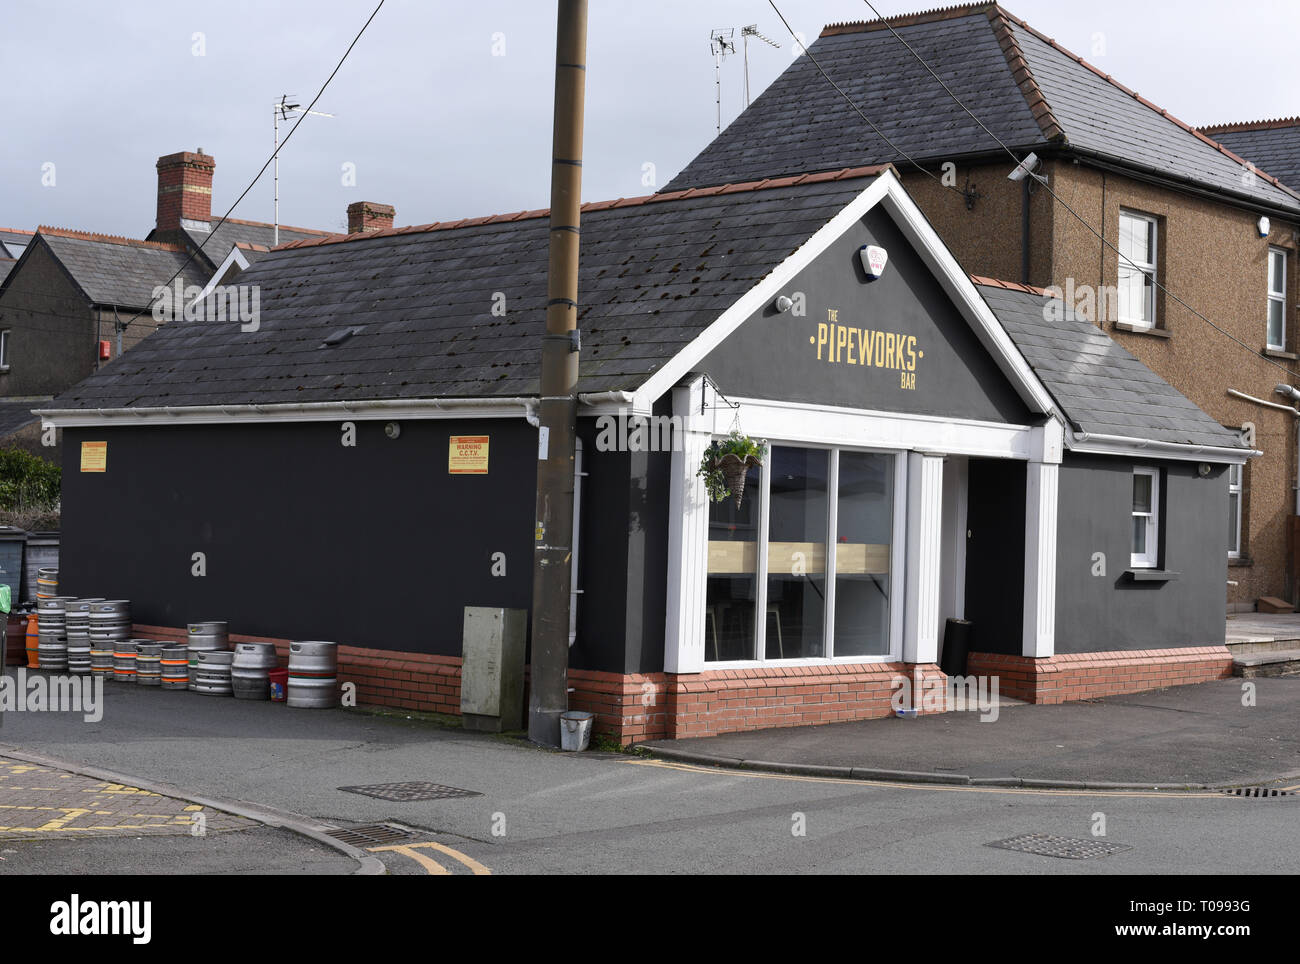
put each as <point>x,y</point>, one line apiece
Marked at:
<point>792,505</point>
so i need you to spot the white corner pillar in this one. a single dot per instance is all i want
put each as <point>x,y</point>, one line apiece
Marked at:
<point>924,557</point>
<point>688,549</point>
<point>1042,483</point>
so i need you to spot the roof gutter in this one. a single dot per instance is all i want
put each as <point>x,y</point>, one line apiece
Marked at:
<point>1087,442</point>
<point>420,408</point>
<point>1153,175</point>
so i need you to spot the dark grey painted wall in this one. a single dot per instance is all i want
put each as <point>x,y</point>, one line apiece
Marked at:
<point>771,355</point>
<point>1111,612</point>
<point>624,560</point>
<point>375,546</point>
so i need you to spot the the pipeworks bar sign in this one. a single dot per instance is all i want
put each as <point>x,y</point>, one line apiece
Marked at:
<point>840,344</point>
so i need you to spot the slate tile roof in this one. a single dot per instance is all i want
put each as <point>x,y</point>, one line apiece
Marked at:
<point>218,242</point>
<point>655,272</point>
<point>16,415</point>
<point>1101,388</point>
<point>6,265</point>
<point>119,271</point>
<point>1272,145</point>
<point>1029,91</point>
<point>13,241</point>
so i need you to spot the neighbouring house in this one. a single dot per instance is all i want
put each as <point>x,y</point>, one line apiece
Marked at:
<point>1272,145</point>
<point>940,447</point>
<point>72,301</point>
<point>1206,292</point>
<point>12,243</point>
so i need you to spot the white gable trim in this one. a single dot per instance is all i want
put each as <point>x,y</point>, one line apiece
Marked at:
<point>886,189</point>
<point>235,263</point>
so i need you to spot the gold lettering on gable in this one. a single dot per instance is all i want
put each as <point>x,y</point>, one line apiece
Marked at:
<point>839,344</point>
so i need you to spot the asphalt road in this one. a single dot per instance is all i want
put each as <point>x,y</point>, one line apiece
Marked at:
<point>545,812</point>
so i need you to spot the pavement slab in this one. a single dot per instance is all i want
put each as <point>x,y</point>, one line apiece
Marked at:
<point>1209,734</point>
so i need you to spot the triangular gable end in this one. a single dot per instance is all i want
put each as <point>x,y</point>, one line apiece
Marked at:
<point>919,339</point>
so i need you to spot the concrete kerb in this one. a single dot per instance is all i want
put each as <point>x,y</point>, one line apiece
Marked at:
<point>925,777</point>
<point>367,864</point>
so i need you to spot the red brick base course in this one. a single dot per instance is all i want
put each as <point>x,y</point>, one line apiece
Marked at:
<point>637,707</point>
<point>1078,676</point>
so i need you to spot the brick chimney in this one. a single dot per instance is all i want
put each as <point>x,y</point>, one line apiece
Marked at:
<point>184,189</point>
<point>365,216</point>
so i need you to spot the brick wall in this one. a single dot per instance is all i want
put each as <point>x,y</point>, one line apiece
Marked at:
<point>1080,676</point>
<point>637,707</point>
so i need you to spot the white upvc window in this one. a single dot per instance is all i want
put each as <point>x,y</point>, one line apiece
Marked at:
<point>1277,298</point>
<point>4,351</point>
<point>1234,511</point>
<point>808,567</point>
<point>1137,269</point>
<point>1146,519</point>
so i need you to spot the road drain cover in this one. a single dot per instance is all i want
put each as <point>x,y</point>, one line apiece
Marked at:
<point>1258,792</point>
<point>411,791</point>
<point>370,834</point>
<point>1050,845</point>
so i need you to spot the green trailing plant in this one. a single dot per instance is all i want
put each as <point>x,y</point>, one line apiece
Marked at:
<point>725,464</point>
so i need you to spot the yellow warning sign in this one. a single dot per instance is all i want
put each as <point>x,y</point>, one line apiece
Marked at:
<point>94,456</point>
<point>468,455</point>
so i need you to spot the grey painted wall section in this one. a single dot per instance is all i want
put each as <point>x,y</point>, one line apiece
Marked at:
<point>1112,612</point>
<point>923,357</point>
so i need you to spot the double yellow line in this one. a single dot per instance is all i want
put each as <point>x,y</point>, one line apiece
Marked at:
<point>430,865</point>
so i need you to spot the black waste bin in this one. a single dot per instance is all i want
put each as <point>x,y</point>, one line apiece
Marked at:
<point>956,646</point>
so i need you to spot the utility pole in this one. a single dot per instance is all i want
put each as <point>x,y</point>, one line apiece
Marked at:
<point>558,398</point>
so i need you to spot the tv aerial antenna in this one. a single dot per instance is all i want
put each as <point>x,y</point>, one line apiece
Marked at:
<point>282,109</point>
<point>721,43</point>
<point>745,34</point>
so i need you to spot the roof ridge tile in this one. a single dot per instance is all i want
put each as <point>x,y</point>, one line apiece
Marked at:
<point>1233,126</point>
<point>74,234</point>
<point>741,187</point>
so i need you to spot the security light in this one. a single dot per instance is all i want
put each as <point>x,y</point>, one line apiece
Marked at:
<point>1026,169</point>
<point>782,304</point>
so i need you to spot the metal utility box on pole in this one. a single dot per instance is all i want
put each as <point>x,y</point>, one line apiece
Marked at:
<point>558,401</point>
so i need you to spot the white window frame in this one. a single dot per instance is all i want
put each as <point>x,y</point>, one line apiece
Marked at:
<point>1151,558</point>
<point>1235,488</point>
<point>897,561</point>
<point>1276,297</point>
<point>4,350</point>
<point>1153,225</point>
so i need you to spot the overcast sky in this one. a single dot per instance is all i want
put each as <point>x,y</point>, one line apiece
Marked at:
<point>442,128</point>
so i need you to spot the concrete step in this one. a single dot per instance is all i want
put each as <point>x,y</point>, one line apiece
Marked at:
<point>1277,663</point>
<point>1251,646</point>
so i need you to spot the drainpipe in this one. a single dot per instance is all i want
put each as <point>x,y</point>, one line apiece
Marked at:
<point>1293,393</point>
<point>575,592</point>
<point>1024,229</point>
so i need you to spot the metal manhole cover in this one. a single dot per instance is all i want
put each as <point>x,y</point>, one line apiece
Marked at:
<point>374,833</point>
<point>1050,845</point>
<point>1258,792</point>
<point>411,791</point>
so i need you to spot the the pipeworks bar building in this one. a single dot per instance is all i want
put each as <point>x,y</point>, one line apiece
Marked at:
<point>362,465</point>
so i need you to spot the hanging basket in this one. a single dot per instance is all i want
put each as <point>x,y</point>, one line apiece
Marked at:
<point>734,469</point>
